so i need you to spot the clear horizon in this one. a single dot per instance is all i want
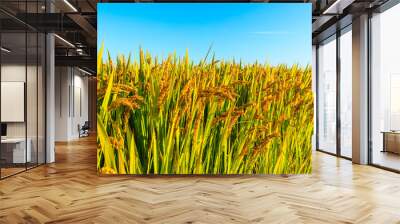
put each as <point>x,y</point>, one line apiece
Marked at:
<point>248,32</point>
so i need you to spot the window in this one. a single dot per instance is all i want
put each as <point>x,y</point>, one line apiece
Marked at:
<point>385,89</point>
<point>346,92</point>
<point>327,96</point>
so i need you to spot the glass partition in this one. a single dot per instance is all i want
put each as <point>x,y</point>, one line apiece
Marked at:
<point>31,97</point>
<point>22,78</point>
<point>13,94</point>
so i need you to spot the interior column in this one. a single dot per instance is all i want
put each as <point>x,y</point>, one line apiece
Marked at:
<point>360,90</point>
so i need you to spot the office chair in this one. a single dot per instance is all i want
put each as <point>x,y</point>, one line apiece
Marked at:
<point>84,130</point>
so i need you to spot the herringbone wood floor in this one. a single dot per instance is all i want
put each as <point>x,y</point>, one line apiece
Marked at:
<point>70,191</point>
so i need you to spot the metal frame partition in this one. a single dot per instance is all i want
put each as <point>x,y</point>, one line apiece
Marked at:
<point>36,63</point>
<point>0,90</point>
<point>339,32</point>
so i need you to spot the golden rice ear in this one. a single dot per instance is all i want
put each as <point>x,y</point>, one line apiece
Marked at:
<point>107,170</point>
<point>215,116</point>
<point>100,57</point>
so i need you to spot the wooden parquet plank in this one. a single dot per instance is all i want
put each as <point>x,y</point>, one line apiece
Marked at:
<point>70,191</point>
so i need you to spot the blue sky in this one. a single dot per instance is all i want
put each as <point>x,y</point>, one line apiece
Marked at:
<point>274,33</point>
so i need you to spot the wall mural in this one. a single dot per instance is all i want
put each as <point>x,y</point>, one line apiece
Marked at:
<point>204,88</point>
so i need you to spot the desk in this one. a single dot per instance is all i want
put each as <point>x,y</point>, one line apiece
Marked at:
<point>15,148</point>
<point>391,141</point>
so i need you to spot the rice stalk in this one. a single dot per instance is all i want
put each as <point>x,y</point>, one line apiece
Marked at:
<point>173,116</point>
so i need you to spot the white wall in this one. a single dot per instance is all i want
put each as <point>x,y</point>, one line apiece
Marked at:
<point>13,72</point>
<point>71,94</point>
<point>62,82</point>
<point>81,88</point>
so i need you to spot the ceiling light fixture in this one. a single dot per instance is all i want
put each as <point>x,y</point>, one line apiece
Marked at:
<point>5,50</point>
<point>64,40</point>
<point>70,5</point>
<point>337,7</point>
<point>84,71</point>
<point>79,51</point>
<point>330,8</point>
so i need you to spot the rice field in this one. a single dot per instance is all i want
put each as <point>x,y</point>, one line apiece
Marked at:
<point>173,116</point>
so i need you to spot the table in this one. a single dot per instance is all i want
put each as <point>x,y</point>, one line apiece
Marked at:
<point>13,150</point>
<point>391,141</point>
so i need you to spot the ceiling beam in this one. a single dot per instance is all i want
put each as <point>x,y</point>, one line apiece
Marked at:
<point>86,26</point>
<point>78,61</point>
